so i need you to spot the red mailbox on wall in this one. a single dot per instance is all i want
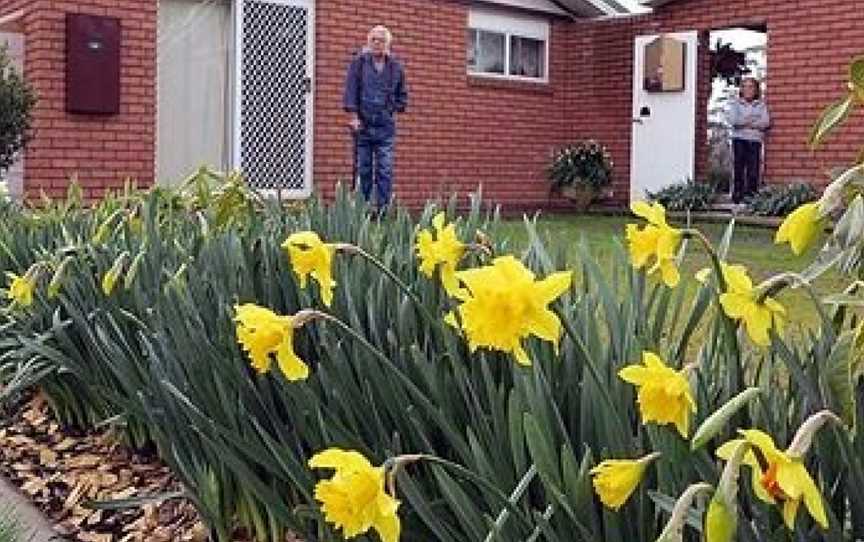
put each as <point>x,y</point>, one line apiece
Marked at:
<point>92,64</point>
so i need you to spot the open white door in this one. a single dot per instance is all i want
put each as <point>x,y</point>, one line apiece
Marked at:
<point>663,148</point>
<point>14,177</point>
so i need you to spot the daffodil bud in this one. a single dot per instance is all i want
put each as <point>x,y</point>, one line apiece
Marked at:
<point>103,232</point>
<point>832,196</point>
<point>717,421</point>
<point>133,269</point>
<point>109,280</point>
<point>721,520</point>
<point>804,437</point>
<point>674,531</point>
<point>57,278</point>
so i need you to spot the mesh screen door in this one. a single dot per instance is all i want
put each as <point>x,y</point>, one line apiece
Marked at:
<point>273,124</point>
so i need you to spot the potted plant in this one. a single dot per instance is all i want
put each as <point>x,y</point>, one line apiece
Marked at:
<point>580,171</point>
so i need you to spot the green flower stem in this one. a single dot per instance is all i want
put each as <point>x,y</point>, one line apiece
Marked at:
<point>547,515</point>
<point>353,249</point>
<point>603,387</point>
<point>520,489</point>
<point>396,463</point>
<point>735,376</point>
<point>712,254</point>
<point>433,411</point>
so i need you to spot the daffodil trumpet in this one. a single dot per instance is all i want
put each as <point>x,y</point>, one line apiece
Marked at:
<point>780,477</point>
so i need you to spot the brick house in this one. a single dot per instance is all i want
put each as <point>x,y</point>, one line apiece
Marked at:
<point>495,86</point>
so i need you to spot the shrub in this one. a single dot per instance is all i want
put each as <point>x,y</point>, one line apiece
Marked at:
<point>685,196</point>
<point>781,199</point>
<point>585,163</point>
<point>16,103</point>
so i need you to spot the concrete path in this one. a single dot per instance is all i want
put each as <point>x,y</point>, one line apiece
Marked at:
<point>33,523</point>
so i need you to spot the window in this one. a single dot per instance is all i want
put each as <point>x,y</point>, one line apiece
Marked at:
<point>504,45</point>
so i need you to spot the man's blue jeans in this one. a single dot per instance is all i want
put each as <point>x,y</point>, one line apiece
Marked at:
<point>375,163</point>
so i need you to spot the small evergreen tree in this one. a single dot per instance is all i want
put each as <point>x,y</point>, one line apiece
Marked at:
<point>16,104</point>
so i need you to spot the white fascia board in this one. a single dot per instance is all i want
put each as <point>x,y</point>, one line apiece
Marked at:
<point>542,6</point>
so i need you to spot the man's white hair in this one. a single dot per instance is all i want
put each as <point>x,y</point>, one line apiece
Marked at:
<point>381,29</point>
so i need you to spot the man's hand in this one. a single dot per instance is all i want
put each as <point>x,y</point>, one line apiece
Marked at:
<point>355,123</point>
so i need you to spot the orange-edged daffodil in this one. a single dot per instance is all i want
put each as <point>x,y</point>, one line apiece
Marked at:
<point>779,477</point>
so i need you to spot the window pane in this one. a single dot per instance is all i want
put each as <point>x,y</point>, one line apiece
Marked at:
<point>488,54</point>
<point>527,57</point>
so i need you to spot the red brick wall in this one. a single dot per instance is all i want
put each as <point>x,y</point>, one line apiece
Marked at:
<point>102,151</point>
<point>810,43</point>
<point>459,131</point>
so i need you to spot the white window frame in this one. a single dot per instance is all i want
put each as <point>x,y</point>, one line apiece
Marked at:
<point>511,24</point>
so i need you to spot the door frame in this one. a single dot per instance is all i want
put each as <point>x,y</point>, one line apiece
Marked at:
<point>237,116</point>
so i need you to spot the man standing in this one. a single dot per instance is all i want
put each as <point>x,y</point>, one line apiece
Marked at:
<point>375,90</point>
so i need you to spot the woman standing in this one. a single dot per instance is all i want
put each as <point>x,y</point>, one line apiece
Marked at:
<point>748,116</point>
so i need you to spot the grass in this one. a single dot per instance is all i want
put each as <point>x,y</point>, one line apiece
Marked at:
<point>10,530</point>
<point>751,246</point>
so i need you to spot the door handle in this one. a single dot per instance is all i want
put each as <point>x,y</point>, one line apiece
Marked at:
<point>638,121</point>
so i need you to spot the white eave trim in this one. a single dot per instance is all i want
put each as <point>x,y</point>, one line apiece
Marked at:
<point>655,3</point>
<point>542,6</point>
<point>602,6</point>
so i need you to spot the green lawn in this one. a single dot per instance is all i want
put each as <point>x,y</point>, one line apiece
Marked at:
<point>751,246</point>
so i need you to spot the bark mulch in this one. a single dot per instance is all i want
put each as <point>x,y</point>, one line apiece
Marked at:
<point>62,471</point>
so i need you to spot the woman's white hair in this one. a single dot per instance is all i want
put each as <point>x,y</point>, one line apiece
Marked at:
<point>381,29</point>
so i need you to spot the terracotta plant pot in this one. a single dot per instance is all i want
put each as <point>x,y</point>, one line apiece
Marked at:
<point>580,195</point>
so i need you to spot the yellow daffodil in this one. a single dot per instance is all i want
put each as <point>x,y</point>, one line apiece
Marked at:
<point>310,256</point>
<point>779,477</point>
<point>442,249</point>
<point>800,228</point>
<point>615,479</point>
<point>657,242</point>
<point>664,394</point>
<point>261,332</point>
<point>502,304</point>
<point>354,499</point>
<point>741,302</point>
<point>21,288</point>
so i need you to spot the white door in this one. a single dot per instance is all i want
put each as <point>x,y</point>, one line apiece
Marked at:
<point>273,109</point>
<point>663,147</point>
<point>193,88</point>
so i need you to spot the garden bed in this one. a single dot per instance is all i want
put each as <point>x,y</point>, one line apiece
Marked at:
<point>62,471</point>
